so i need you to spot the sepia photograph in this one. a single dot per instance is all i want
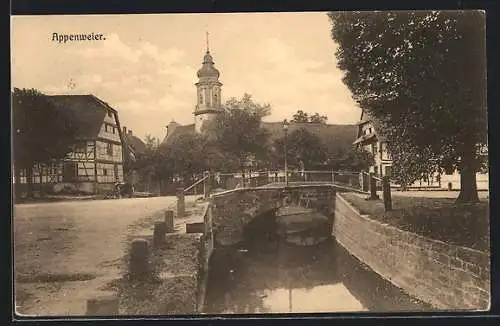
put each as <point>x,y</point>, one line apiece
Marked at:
<point>225,164</point>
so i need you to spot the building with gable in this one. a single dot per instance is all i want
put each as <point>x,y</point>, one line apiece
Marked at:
<point>96,161</point>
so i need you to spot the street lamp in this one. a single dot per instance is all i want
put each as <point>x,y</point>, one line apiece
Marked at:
<point>285,129</point>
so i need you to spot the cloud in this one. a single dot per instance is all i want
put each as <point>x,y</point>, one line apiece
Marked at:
<point>141,91</point>
<point>170,101</point>
<point>289,81</point>
<point>112,47</point>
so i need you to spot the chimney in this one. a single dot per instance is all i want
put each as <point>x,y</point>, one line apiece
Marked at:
<point>125,130</point>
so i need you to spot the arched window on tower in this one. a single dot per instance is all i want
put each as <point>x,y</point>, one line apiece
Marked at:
<point>216,96</point>
<point>207,97</point>
<point>201,96</point>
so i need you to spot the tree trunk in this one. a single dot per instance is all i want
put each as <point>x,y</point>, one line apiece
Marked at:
<point>468,184</point>
<point>29,182</point>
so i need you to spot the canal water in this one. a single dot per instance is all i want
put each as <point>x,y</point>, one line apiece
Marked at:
<point>282,277</point>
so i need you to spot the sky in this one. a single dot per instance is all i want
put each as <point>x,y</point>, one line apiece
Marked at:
<point>146,66</point>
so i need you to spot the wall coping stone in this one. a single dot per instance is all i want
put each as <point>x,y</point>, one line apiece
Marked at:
<point>367,218</point>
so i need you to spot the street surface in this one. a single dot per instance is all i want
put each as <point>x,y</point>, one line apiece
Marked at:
<point>64,251</point>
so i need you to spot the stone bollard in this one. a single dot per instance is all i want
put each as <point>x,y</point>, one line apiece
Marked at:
<point>169,221</point>
<point>159,231</point>
<point>139,265</point>
<point>386,188</point>
<point>106,305</point>
<point>181,206</point>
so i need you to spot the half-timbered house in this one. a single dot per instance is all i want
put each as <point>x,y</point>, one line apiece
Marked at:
<point>96,162</point>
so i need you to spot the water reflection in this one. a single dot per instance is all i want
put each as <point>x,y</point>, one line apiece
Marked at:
<point>297,279</point>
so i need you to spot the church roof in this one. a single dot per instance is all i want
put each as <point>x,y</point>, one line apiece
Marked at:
<point>177,132</point>
<point>335,137</point>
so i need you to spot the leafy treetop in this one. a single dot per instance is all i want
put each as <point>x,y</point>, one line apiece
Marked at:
<point>422,76</point>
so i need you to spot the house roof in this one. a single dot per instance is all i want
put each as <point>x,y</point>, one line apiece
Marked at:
<point>87,109</point>
<point>364,138</point>
<point>366,117</point>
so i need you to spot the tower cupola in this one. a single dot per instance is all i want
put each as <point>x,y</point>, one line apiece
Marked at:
<point>208,92</point>
<point>208,70</point>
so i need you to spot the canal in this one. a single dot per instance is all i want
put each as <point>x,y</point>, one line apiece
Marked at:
<point>282,277</point>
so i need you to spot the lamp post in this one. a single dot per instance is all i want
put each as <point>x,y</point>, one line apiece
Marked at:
<point>285,129</point>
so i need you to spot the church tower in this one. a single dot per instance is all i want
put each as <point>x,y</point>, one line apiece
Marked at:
<point>208,92</point>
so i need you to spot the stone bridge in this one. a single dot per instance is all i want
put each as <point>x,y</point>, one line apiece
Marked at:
<point>234,211</point>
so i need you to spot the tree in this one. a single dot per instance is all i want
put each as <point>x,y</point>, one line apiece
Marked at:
<point>422,76</point>
<point>302,145</point>
<point>151,142</point>
<point>145,161</point>
<point>302,117</point>
<point>316,118</point>
<point>357,159</point>
<point>42,132</point>
<point>238,133</point>
<point>185,157</point>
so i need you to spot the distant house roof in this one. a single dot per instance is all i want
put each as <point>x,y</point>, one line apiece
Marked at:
<point>132,145</point>
<point>87,109</point>
<point>135,143</point>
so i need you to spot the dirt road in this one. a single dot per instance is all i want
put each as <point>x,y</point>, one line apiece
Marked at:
<point>65,251</point>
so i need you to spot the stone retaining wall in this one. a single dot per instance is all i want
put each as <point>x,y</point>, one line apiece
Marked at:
<point>444,275</point>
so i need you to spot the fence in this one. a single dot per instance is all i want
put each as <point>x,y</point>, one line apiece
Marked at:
<point>230,181</point>
<point>363,181</point>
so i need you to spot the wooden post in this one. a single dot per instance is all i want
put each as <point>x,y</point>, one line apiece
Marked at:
<point>107,305</point>
<point>139,265</point>
<point>181,207</point>
<point>362,180</point>
<point>373,187</point>
<point>333,177</point>
<point>206,184</point>
<point>169,221</point>
<point>386,188</point>
<point>160,228</point>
